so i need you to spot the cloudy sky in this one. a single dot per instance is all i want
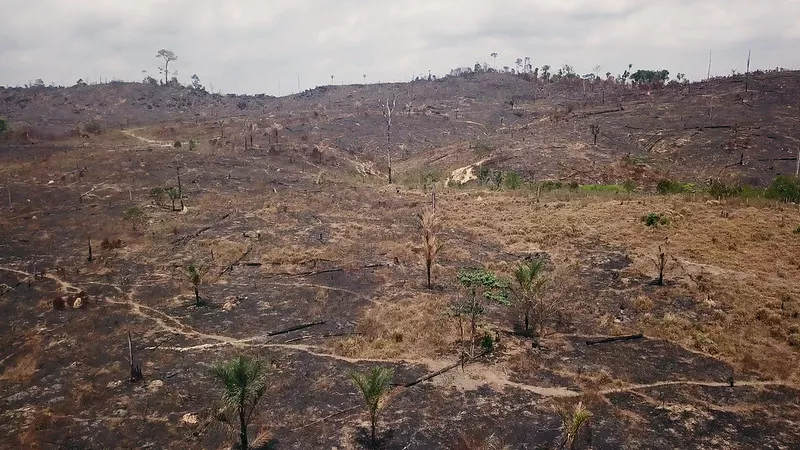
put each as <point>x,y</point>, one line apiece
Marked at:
<point>251,46</point>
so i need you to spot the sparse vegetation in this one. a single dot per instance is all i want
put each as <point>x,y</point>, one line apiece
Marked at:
<point>674,187</point>
<point>429,223</point>
<point>374,386</point>
<point>529,276</point>
<point>243,382</point>
<point>784,188</point>
<point>478,286</point>
<point>134,215</point>
<point>195,275</point>
<point>573,420</point>
<point>655,219</point>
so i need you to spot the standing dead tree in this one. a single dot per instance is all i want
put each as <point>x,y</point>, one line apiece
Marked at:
<point>595,132</point>
<point>661,264</point>
<point>391,103</point>
<point>168,56</point>
<point>429,223</point>
<point>136,370</point>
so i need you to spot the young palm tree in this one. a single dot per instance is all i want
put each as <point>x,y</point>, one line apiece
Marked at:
<point>195,276</point>
<point>244,383</point>
<point>430,228</point>
<point>529,280</point>
<point>374,385</point>
<point>573,420</point>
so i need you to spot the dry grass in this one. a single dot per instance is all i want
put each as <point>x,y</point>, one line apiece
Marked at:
<point>414,328</point>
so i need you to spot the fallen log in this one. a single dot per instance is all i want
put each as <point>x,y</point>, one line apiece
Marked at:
<point>295,328</point>
<point>230,267</point>
<point>629,337</point>
<point>441,371</point>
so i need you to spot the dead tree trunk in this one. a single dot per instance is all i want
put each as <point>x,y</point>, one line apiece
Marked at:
<point>90,258</point>
<point>391,102</point>
<point>136,370</point>
<point>180,187</point>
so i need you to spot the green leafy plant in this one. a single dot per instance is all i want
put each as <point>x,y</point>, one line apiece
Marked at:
<point>628,185</point>
<point>550,185</point>
<point>673,187</point>
<point>654,220</point>
<point>374,386</point>
<point>784,188</point>
<point>529,277</point>
<point>487,343</point>
<point>719,189</point>
<point>512,180</point>
<point>572,421</point>
<point>244,383</point>
<point>479,285</point>
<point>134,215</point>
<point>192,144</point>
<point>194,274</point>
<point>157,195</point>
<point>176,144</point>
<point>93,127</point>
<point>3,126</point>
<point>174,194</point>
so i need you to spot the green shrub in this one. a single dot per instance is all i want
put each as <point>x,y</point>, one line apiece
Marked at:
<point>720,189</point>
<point>176,144</point>
<point>512,180</point>
<point>629,186</point>
<point>484,175</point>
<point>157,194</point>
<point>615,188</point>
<point>93,127</point>
<point>550,185</point>
<point>487,343</point>
<point>3,126</point>
<point>796,230</point>
<point>674,187</point>
<point>192,144</point>
<point>784,188</point>
<point>654,220</point>
<point>482,149</point>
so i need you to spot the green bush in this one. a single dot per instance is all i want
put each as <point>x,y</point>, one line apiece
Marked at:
<point>176,144</point>
<point>720,189</point>
<point>615,188</point>
<point>157,194</point>
<point>482,149</point>
<point>512,180</point>
<point>629,186</point>
<point>3,126</point>
<point>550,185</point>
<point>192,144</point>
<point>93,127</point>
<point>797,230</point>
<point>484,175</point>
<point>654,220</point>
<point>487,343</point>
<point>784,188</point>
<point>674,187</point>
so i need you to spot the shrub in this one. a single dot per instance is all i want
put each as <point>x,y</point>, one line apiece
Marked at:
<point>512,180</point>
<point>720,189</point>
<point>482,149</point>
<point>484,175</point>
<point>192,144</point>
<point>796,230</point>
<point>550,185</point>
<point>157,194</point>
<point>673,187</point>
<point>93,127</point>
<point>615,188</point>
<point>111,244</point>
<point>487,343</point>
<point>176,144</point>
<point>3,126</point>
<point>784,188</point>
<point>654,220</point>
<point>629,186</point>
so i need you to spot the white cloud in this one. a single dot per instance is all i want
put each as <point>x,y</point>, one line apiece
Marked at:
<point>252,46</point>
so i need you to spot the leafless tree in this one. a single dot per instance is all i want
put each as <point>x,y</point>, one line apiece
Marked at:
<point>167,56</point>
<point>391,103</point>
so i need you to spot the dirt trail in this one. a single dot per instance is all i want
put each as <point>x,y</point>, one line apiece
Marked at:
<point>130,132</point>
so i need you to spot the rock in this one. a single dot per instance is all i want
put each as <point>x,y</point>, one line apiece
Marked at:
<point>189,418</point>
<point>253,234</point>
<point>114,384</point>
<point>55,400</point>
<point>78,303</point>
<point>121,412</point>
<point>50,182</point>
<point>155,385</point>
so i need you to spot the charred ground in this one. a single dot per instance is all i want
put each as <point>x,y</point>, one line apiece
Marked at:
<point>301,227</point>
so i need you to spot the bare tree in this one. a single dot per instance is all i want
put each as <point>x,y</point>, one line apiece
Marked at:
<point>494,55</point>
<point>167,56</point>
<point>595,132</point>
<point>391,103</point>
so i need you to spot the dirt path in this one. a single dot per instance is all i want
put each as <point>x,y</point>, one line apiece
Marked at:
<point>130,132</point>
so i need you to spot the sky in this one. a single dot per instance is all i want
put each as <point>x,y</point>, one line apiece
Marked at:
<point>279,46</point>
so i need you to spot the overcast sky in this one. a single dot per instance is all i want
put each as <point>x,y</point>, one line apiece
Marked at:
<point>264,46</point>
